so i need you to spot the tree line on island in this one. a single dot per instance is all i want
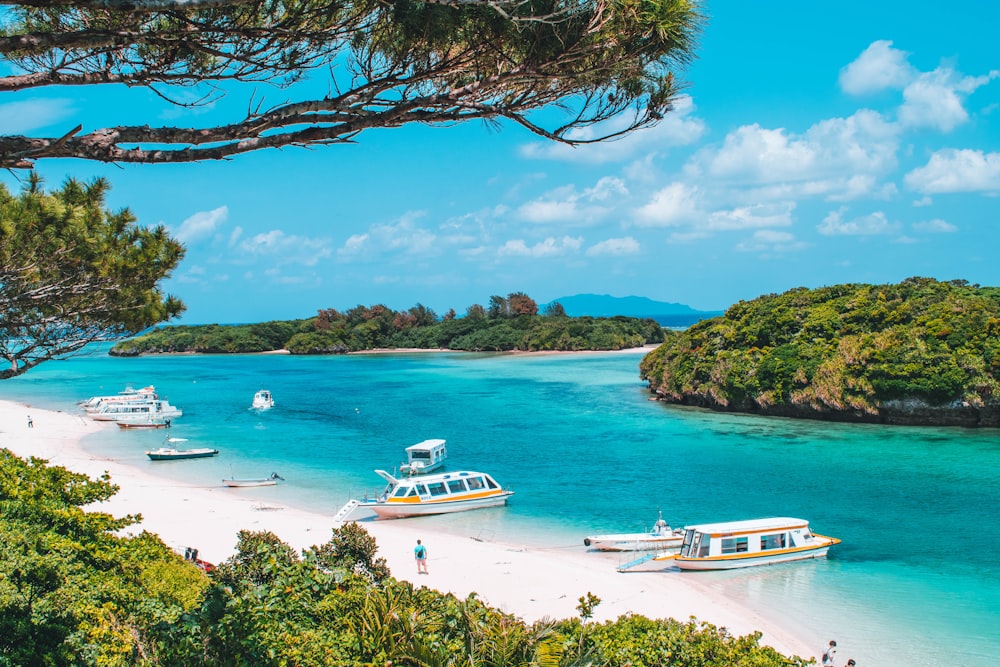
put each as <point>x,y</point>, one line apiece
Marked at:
<point>918,352</point>
<point>507,323</point>
<point>76,590</point>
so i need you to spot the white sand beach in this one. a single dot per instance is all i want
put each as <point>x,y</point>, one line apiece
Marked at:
<point>530,582</point>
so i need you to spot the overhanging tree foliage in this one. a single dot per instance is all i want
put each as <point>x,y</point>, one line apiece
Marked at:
<point>73,273</point>
<point>391,62</point>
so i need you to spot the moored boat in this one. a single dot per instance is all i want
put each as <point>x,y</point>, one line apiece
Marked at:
<point>424,457</point>
<point>254,481</point>
<point>143,422</point>
<point>659,538</point>
<point>169,452</point>
<point>95,403</point>
<point>136,411</point>
<point>736,544</point>
<point>437,493</point>
<point>262,400</point>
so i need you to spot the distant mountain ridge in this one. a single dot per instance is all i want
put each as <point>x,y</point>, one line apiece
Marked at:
<point>604,305</point>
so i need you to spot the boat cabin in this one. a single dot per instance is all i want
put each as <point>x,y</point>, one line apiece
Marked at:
<point>437,488</point>
<point>424,457</point>
<point>744,537</point>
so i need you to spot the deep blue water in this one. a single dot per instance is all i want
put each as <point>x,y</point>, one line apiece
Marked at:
<point>916,580</point>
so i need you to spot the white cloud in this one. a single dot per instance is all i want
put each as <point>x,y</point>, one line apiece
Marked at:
<point>404,237</point>
<point>673,205</point>
<point>836,158</point>
<point>287,249</point>
<point>935,226</point>
<point>953,170</point>
<point>565,204</point>
<point>618,247</point>
<point>28,115</point>
<point>678,128</point>
<point>201,225</point>
<point>751,217</point>
<point>936,99</point>
<point>866,225</point>
<point>770,241</point>
<point>550,247</point>
<point>878,67</point>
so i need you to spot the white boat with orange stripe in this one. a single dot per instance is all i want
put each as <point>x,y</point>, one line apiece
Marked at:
<point>726,546</point>
<point>435,494</point>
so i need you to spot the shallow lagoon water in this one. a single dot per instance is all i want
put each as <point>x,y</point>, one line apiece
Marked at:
<point>916,580</point>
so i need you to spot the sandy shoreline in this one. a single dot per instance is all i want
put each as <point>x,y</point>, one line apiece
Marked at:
<point>531,582</point>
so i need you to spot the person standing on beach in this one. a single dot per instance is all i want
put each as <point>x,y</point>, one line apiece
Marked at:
<point>420,553</point>
<point>831,650</point>
<point>31,424</point>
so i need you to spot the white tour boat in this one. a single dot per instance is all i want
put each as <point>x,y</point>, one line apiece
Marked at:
<point>170,452</point>
<point>262,400</point>
<point>660,537</point>
<point>437,493</point>
<point>726,546</point>
<point>424,457</point>
<point>128,395</point>
<point>136,411</point>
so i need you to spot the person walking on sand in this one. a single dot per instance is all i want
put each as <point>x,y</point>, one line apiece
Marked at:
<point>420,554</point>
<point>31,424</point>
<point>828,654</point>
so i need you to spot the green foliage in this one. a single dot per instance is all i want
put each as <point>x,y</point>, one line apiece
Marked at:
<point>846,348</point>
<point>71,590</point>
<point>73,272</point>
<point>510,323</point>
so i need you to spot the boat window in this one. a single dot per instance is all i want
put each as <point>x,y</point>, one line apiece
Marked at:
<point>475,483</point>
<point>705,545</point>
<point>773,541</point>
<point>490,483</point>
<point>423,490</point>
<point>456,486</point>
<point>420,455</point>
<point>437,489</point>
<point>401,491</point>
<point>734,545</point>
<point>414,491</point>
<point>686,545</point>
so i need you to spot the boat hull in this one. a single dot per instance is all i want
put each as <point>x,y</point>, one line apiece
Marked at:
<point>735,561</point>
<point>153,424</point>
<point>386,510</point>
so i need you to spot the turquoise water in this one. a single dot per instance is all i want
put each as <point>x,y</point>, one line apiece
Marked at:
<point>916,580</point>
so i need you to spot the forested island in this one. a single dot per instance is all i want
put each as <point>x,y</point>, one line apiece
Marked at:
<point>507,323</point>
<point>918,352</point>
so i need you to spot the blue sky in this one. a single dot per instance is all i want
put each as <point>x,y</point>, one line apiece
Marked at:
<point>815,143</point>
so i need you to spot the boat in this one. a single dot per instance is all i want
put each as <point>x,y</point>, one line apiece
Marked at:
<point>262,400</point>
<point>95,403</point>
<point>143,422</point>
<point>726,546</point>
<point>136,410</point>
<point>659,538</point>
<point>424,457</point>
<point>258,481</point>
<point>170,453</point>
<point>436,493</point>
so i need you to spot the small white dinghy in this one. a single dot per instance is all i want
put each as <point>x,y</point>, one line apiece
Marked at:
<point>257,481</point>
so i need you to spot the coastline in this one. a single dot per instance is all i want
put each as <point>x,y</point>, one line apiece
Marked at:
<point>530,582</point>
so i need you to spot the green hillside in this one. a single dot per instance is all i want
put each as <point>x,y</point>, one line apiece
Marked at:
<point>920,352</point>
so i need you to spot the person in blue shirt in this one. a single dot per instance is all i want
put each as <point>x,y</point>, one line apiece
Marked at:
<point>420,554</point>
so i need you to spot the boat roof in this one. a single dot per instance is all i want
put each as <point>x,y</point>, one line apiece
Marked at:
<point>426,444</point>
<point>749,525</point>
